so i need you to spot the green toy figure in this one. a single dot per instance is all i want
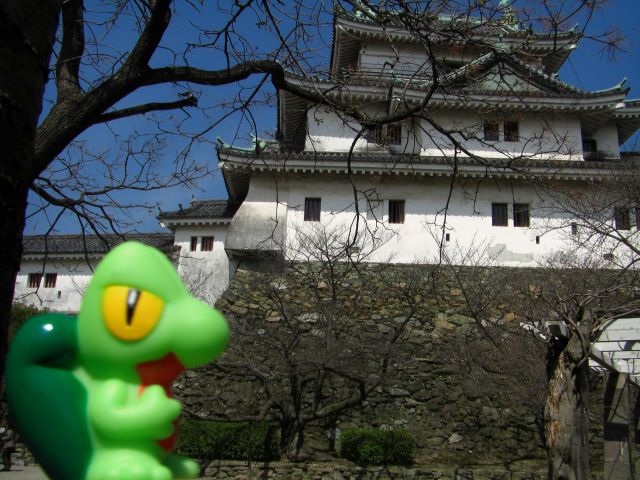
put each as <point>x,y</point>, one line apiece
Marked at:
<point>91,397</point>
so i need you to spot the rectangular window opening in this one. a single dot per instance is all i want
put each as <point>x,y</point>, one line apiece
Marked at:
<point>537,239</point>
<point>194,244</point>
<point>491,131</point>
<point>396,211</point>
<point>207,244</point>
<point>622,218</point>
<point>499,216</point>
<point>520,214</point>
<point>50,280</point>
<point>511,131</point>
<point>447,237</point>
<point>312,209</point>
<point>574,228</point>
<point>394,134</point>
<point>374,135</point>
<point>589,145</point>
<point>34,280</point>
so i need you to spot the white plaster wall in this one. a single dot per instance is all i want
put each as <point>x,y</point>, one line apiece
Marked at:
<point>66,296</point>
<point>330,133</point>
<point>378,57</point>
<point>468,218</point>
<point>607,139</point>
<point>260,221</point>
<point>552,137</point>
<point>381,58</point>
<point>206,274</point>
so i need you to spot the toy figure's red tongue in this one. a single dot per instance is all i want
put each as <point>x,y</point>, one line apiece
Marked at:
<point>161,372</point>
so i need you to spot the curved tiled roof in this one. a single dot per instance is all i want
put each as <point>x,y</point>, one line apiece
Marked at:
<point>206,209</point>
<point>554,87</point>
<point>91,244</point>
<point>479,27</point>
<point>399,158</point>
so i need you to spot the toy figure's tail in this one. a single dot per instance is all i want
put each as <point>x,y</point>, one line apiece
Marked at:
<point>46,400</point>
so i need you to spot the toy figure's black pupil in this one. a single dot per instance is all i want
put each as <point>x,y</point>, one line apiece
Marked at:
<point>132,301</point>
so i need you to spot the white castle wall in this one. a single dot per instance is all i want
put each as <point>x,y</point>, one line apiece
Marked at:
<point>558,137</point>
<point>206,274</point>
<point>66,296</point>
<point>468,220</point>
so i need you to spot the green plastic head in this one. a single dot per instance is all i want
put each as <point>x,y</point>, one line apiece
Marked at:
<point>136,309</point>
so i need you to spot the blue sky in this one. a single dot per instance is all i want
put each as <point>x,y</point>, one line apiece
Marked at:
<point>587,68</point>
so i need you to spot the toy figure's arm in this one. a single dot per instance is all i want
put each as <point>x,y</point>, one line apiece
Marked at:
<point>116,416</point>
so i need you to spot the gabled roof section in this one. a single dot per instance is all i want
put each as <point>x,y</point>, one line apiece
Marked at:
<point>201,212</point>
<point>350,29</point>
<point>79,245</point>
<point>481,26</point>
<point>546,84</point>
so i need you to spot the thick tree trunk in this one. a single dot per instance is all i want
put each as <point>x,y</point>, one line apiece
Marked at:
<point>291,439</point>
<point>567,426</point>
<point>27,32</point>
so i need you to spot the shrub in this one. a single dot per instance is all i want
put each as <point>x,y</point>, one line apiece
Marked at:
<point>20,313</point>
<point>369,446</point>
<point>228,441</point>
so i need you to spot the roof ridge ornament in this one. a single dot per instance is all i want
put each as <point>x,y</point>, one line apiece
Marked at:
<point>508,16</point>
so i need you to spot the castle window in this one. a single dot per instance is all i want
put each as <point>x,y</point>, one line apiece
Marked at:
<point>50,280</point>
<point>394,134</point>
<point>385,135</point>
<point>34,280</point>
<point>499,215</point>
<point>589,145</point>
<point>637,218</point>
<point>574,228</point>
<point>374,135</point>
<point>491,131</point>
<point>207,244</point>
<point>194,244</point>
<point>511,132</point>
<point>311,209</point>
<point>621,218</point>
<point>396,211</point>
<point>520,214</point>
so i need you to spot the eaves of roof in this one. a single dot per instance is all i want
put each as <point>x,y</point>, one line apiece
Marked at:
<point>80,246</point>
<point>453,83</point>
<point>202,212</point>
<point>452,97</point>
<point>402,164</point>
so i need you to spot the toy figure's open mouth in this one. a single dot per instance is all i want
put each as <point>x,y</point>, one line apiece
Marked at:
<point>161,372</point>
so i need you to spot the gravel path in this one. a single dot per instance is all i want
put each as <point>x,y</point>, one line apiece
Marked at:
<point>23,473</point>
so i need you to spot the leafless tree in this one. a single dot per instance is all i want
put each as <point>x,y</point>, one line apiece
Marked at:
<point>565,302</point>
<point>98,79</point>
<point>309,356</point>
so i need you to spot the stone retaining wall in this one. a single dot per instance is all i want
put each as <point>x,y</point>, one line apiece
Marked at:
<point>463,399</point>
<point>520,470</point>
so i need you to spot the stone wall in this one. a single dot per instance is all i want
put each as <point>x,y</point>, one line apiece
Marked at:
<point>521,470</point>
<point>468,393</point>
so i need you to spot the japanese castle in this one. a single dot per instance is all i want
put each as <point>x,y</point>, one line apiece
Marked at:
<point>483,128</point>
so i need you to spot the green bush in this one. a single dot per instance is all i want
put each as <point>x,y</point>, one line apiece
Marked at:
<point>369,446</point>
<point>228,441</point>
<point>20,313</point>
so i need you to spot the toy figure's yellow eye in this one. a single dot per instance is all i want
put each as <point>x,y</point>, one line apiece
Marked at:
<point>130,314</point>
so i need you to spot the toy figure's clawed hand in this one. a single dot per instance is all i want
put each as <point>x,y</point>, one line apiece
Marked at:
<point>138,328</point>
